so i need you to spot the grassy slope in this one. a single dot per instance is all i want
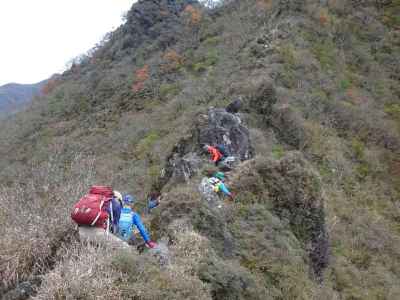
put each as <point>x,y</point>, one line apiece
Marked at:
<point>333,66</point>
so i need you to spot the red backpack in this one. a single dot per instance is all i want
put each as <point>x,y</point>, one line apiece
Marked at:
<point>91,209</point>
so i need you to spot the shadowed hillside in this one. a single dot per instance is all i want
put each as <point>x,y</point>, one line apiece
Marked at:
<point>317,181</point>
<point>14,96</point>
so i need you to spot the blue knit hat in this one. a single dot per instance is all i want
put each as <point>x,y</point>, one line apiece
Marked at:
<point>129,199</point>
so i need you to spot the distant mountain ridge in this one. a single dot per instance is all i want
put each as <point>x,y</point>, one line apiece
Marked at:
<point>14,95</point>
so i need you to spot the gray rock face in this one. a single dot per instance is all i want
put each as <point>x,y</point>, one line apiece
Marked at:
<point>216,127</point>
<point>161,253</point>
<point>183,168</point>
<point>22,291</point>
<point>179,169</point>
<point>222,127</point>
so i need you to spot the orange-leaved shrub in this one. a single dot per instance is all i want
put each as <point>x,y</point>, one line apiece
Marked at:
<point>49,86</point>
<point>172,60</point>
<point>194,14</point>
<point>141,76</point>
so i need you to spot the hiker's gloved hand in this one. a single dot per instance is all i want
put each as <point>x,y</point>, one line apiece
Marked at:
<point>232,196</point>
<point>151,244</point>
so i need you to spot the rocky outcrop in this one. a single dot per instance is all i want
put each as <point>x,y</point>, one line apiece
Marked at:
<point>216,127</point>
<point>23,290</point>
<point>181,165</point>
<point>154,19</point>
<point>221,127</point>
<point>183,168</point>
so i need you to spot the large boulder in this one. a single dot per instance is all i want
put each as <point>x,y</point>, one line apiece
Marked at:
<point>183,168</point>
<point>222,127</point>
<point>181,165</point>
<point>23,290</point>
<point>216,127</point>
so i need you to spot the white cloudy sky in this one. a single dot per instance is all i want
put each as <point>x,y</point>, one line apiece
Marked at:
<point>38,37</point>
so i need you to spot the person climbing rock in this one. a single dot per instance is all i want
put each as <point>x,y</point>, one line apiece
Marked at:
<point>153,201</point>
<point>212,186</point>
<point>217,182</point>
<point>129,218</point>
<point>96,214</point>
<point>216,155</point>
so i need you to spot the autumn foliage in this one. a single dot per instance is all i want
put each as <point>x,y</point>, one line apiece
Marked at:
<point>172,61</point>
<point>194,14</point>
<point>264,4</point>
<point>49,86</point>
<point>141,76</point>
<point>323,17</point>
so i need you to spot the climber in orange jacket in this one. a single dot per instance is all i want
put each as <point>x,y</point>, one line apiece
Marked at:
<point>216,155</point>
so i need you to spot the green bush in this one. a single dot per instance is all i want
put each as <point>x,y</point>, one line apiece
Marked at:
<point>288,54</point>
<point>278,151</point>
<point>358,149</point>
<point>145,145</point>
<point>344,84</point>
<point>171,89</point>
<point>391,15</point>
<point>212,41</point>
<point>393,110</point>
<point>363,170</point>
<point>204,62</point>
<point>324,51</point>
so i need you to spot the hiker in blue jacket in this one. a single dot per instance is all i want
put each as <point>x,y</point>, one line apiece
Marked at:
<point>153,201</point>
<point>128,218</point>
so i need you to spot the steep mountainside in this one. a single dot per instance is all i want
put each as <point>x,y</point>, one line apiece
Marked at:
<point>13,95</point>
<point>317,142</point>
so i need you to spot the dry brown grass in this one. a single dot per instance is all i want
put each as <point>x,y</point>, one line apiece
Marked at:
<point>84,273</point>
<point>142,276</point>
<point>35,216</point>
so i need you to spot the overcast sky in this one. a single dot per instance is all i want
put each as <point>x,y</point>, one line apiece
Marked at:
<point>39,37</point>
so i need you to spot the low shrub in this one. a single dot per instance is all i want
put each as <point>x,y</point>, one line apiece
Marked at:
<point>169,90</point>
<point>84,273</point>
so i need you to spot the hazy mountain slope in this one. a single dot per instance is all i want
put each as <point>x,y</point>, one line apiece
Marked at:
<point>316,211</point>
<point>13,95</point>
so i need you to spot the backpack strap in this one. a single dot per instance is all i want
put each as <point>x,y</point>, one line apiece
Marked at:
<point>98,215</point>
<point>109,225</point>
<point>111,213</point>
